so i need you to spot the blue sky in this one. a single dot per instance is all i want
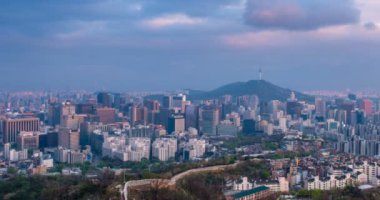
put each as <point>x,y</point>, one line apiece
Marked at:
<point>130,45</point>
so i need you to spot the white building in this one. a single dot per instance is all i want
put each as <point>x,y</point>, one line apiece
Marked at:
<point>282,124</point>
<point>69,156</point>
<point>136,149</point>
<point>18,155</point>
<point>242,184</point>
<point>164,148</point>
<point>195,148</point>
<point>280,185</point>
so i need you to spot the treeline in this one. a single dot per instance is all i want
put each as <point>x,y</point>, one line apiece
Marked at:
<point>60,187</point>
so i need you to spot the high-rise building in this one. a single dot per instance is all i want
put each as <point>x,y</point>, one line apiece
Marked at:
<point>176,124</point>
<point>48,140</point>
<point>13,126</point>
<point>234,118</point>
<point>68,138</point>
<point>135,150</point>
<point>208,120</point>
<point>106,115</point>
<point>163,116</point>
<point>348,107</point>
<point>227,128</point>
<point>191,116</point>
<point>54,114</point>
<point>73,121</point>
<point>293,108</point>
<point>179,103</point>
<point>105,99</point>
<point>167,102</point>
<point>138,148</point>
<point>138,115</point>
<point>152,105</point>
<point>194,148</point>
<point>366,105</point>
<point>357,117</point>
<point>85,108</point>
<point>283,124</point>
<point>320,107</point>
<point>226,109</point>
<point>164,148</point>
<point>27,140</point>
<point>52,139</point>
<point>249,126</point>
<point>6,151</point>
<point>274,107</point>
<point>67,108</point>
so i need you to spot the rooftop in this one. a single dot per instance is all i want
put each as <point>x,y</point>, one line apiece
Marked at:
<point>250,192</point>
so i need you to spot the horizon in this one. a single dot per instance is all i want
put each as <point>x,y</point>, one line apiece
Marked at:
<point>315,92</point>
<point>367,93</point>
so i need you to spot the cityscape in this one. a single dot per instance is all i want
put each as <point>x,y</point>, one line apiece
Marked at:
<point>202,100</point>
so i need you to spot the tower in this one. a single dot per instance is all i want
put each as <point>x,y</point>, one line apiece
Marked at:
<point>260,74</point>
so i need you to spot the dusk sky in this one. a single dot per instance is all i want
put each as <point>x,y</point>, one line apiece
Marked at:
<point>131,45</point>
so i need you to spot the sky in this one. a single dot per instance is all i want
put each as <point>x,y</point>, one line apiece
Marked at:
<point>149,45</point>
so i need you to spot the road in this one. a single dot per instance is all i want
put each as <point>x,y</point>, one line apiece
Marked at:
<point>174,179</point>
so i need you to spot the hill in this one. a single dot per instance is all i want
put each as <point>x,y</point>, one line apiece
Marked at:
<point>265,90</point>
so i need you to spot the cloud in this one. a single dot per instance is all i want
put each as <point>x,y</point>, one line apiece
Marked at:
<point>370,26</point>
<point>337,35</point>
<point>300,14</point>
<point>172,20</point>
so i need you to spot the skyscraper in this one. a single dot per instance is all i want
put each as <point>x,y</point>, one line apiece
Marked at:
<point>176,124</point>
<point>54,114</point>
<point>348,107</point>
<point>138,114</point>
<point>12,127</point>
<point>68,138</point>
<point>208,120</point>
<point>105,99</point>
<point>27,140</point>
<point>320,107</point>
<point>106,115</point>
<point>366,106</point>
<point>191,116</point>
<point>152,105</point>
<point>179,102</point>
<point>167,102</point>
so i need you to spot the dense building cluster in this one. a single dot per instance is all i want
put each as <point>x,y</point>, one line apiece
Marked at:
<point>40,130</point>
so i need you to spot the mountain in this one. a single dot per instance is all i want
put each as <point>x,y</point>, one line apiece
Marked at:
<point>265,90</point>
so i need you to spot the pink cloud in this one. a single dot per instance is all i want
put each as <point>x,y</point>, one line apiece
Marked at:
<point>172,20</point>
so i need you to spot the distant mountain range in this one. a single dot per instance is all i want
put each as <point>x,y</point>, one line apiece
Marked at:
<point>265,90</point>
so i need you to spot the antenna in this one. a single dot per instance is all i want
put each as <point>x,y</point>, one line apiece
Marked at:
<point>260,74</point>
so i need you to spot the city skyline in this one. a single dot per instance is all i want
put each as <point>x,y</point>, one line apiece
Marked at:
<point>150,45</point>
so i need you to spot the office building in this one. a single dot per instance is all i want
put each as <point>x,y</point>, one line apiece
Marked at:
<point>366,105</point>
<point>227,128</point>
<point>208,120</point>
<point>320,108</point>
<point>191,116</point>
<point>176,124</point>
<point>54,114</point>
<point>105,99</point>
<point>106,115</point>
<point>27,140</point>
<point>13,126</point>
<point>68,138</point>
